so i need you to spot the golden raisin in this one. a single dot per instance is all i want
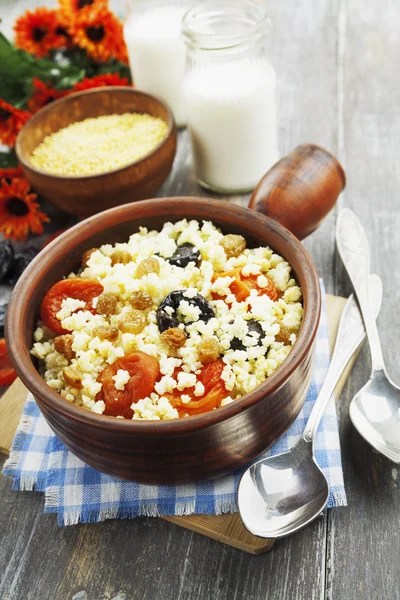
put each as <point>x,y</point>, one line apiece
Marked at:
<point>174,337</point>
<point>63,345</point>
<point>106,304</point>
<point>208,350</point>
<point>132,322</point>
<point>233,245</point>
<point>148,265</point>
<point>120,257</point>
<point>87,255</point>
<point>72,377</point>
<point>106,332</point>
<point>283,335</point>
<point>141,300</point>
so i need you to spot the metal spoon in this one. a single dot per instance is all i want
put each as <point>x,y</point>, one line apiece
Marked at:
<point>375,410</point>
<point>280,494</point>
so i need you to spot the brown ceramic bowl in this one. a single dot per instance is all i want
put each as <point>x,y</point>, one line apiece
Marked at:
<point>84,196</point>
<point>196,447</point>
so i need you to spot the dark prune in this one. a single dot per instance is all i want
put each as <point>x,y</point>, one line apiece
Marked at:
<point>252,326</point>
<point>3,308</point>
<point>6,258</point>
<point>20,262</point>
<point>167,321</point>
<point>185,254</point>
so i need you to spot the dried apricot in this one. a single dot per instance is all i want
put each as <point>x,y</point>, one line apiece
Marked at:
<point>144,372</point>
<point>242,286</point>
<point>269,290</point>
<point>214,392</point>
<point>77,288</point>
<point>237,287</point>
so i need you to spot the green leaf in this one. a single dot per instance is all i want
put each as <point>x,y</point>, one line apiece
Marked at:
<point>8,159</point>
<point>115,66</point>
<point>76,57</point>
<point>17,68</point>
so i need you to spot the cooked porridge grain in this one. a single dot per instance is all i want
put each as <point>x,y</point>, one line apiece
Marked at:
<point>194,324</point>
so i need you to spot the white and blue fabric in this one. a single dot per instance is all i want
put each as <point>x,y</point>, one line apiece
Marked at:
<point>78,493</point>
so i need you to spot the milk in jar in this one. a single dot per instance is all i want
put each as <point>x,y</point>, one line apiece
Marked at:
<point>157,53</point>
<point>230,90</point>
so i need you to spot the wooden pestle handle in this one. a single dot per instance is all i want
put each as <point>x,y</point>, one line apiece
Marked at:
<point>300,189</point>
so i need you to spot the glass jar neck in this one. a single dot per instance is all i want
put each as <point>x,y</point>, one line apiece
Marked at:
<point>149,4</point>
<point>225,25</point>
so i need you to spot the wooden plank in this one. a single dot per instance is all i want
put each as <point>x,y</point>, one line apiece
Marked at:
<point>227,529</point>
<point>363,546</point>
<point>11,405</point>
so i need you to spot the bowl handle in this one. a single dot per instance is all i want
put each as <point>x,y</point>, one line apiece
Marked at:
<point>300,189</point>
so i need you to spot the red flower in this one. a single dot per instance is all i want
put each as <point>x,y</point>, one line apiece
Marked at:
<point>108,79</point>
<point>11,173</point>
<point>97,31</point>
<point>36,32</point>
<point>19,213</point>
<point>11,121</point>
<point>43,95</point>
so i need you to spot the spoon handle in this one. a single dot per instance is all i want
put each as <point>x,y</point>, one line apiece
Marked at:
<point>350,335</point>
<point>354,251</point>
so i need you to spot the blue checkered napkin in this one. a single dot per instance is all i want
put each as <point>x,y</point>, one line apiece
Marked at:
<point>76,492</point>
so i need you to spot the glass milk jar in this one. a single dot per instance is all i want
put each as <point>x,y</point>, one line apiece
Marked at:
<point>230,90</point>
<point>157,53</point>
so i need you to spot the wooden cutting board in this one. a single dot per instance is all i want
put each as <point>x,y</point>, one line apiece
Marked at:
<point>227,529</point>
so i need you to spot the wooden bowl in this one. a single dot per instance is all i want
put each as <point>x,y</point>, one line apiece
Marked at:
<point>84,196</point>
<point>196,447</point>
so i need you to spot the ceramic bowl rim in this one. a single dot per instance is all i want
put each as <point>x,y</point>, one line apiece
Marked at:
<point>20,354</point>
<point>49,107</point>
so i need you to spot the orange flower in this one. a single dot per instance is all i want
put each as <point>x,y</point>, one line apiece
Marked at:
<point>43,95</point>
<point>19,213</point>
<point>69,9</point>
<point>96,30</point>
<point>121,52</point>
<point>35,32</point>
<point>11,173</point>
<point>108,79</point>
<point>62,30</point>
<point>11,121</point>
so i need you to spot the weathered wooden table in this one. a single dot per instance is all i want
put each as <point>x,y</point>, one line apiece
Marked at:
<point>339,86</point>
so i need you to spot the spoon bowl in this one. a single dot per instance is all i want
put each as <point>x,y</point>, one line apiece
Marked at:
<point>375,410</point>
<point>375,413</point>
<point>286,492</point>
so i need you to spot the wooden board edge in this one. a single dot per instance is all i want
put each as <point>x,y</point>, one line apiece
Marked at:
<point>227,529</point>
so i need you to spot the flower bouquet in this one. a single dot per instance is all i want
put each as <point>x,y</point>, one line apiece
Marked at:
<point>77,46</point>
